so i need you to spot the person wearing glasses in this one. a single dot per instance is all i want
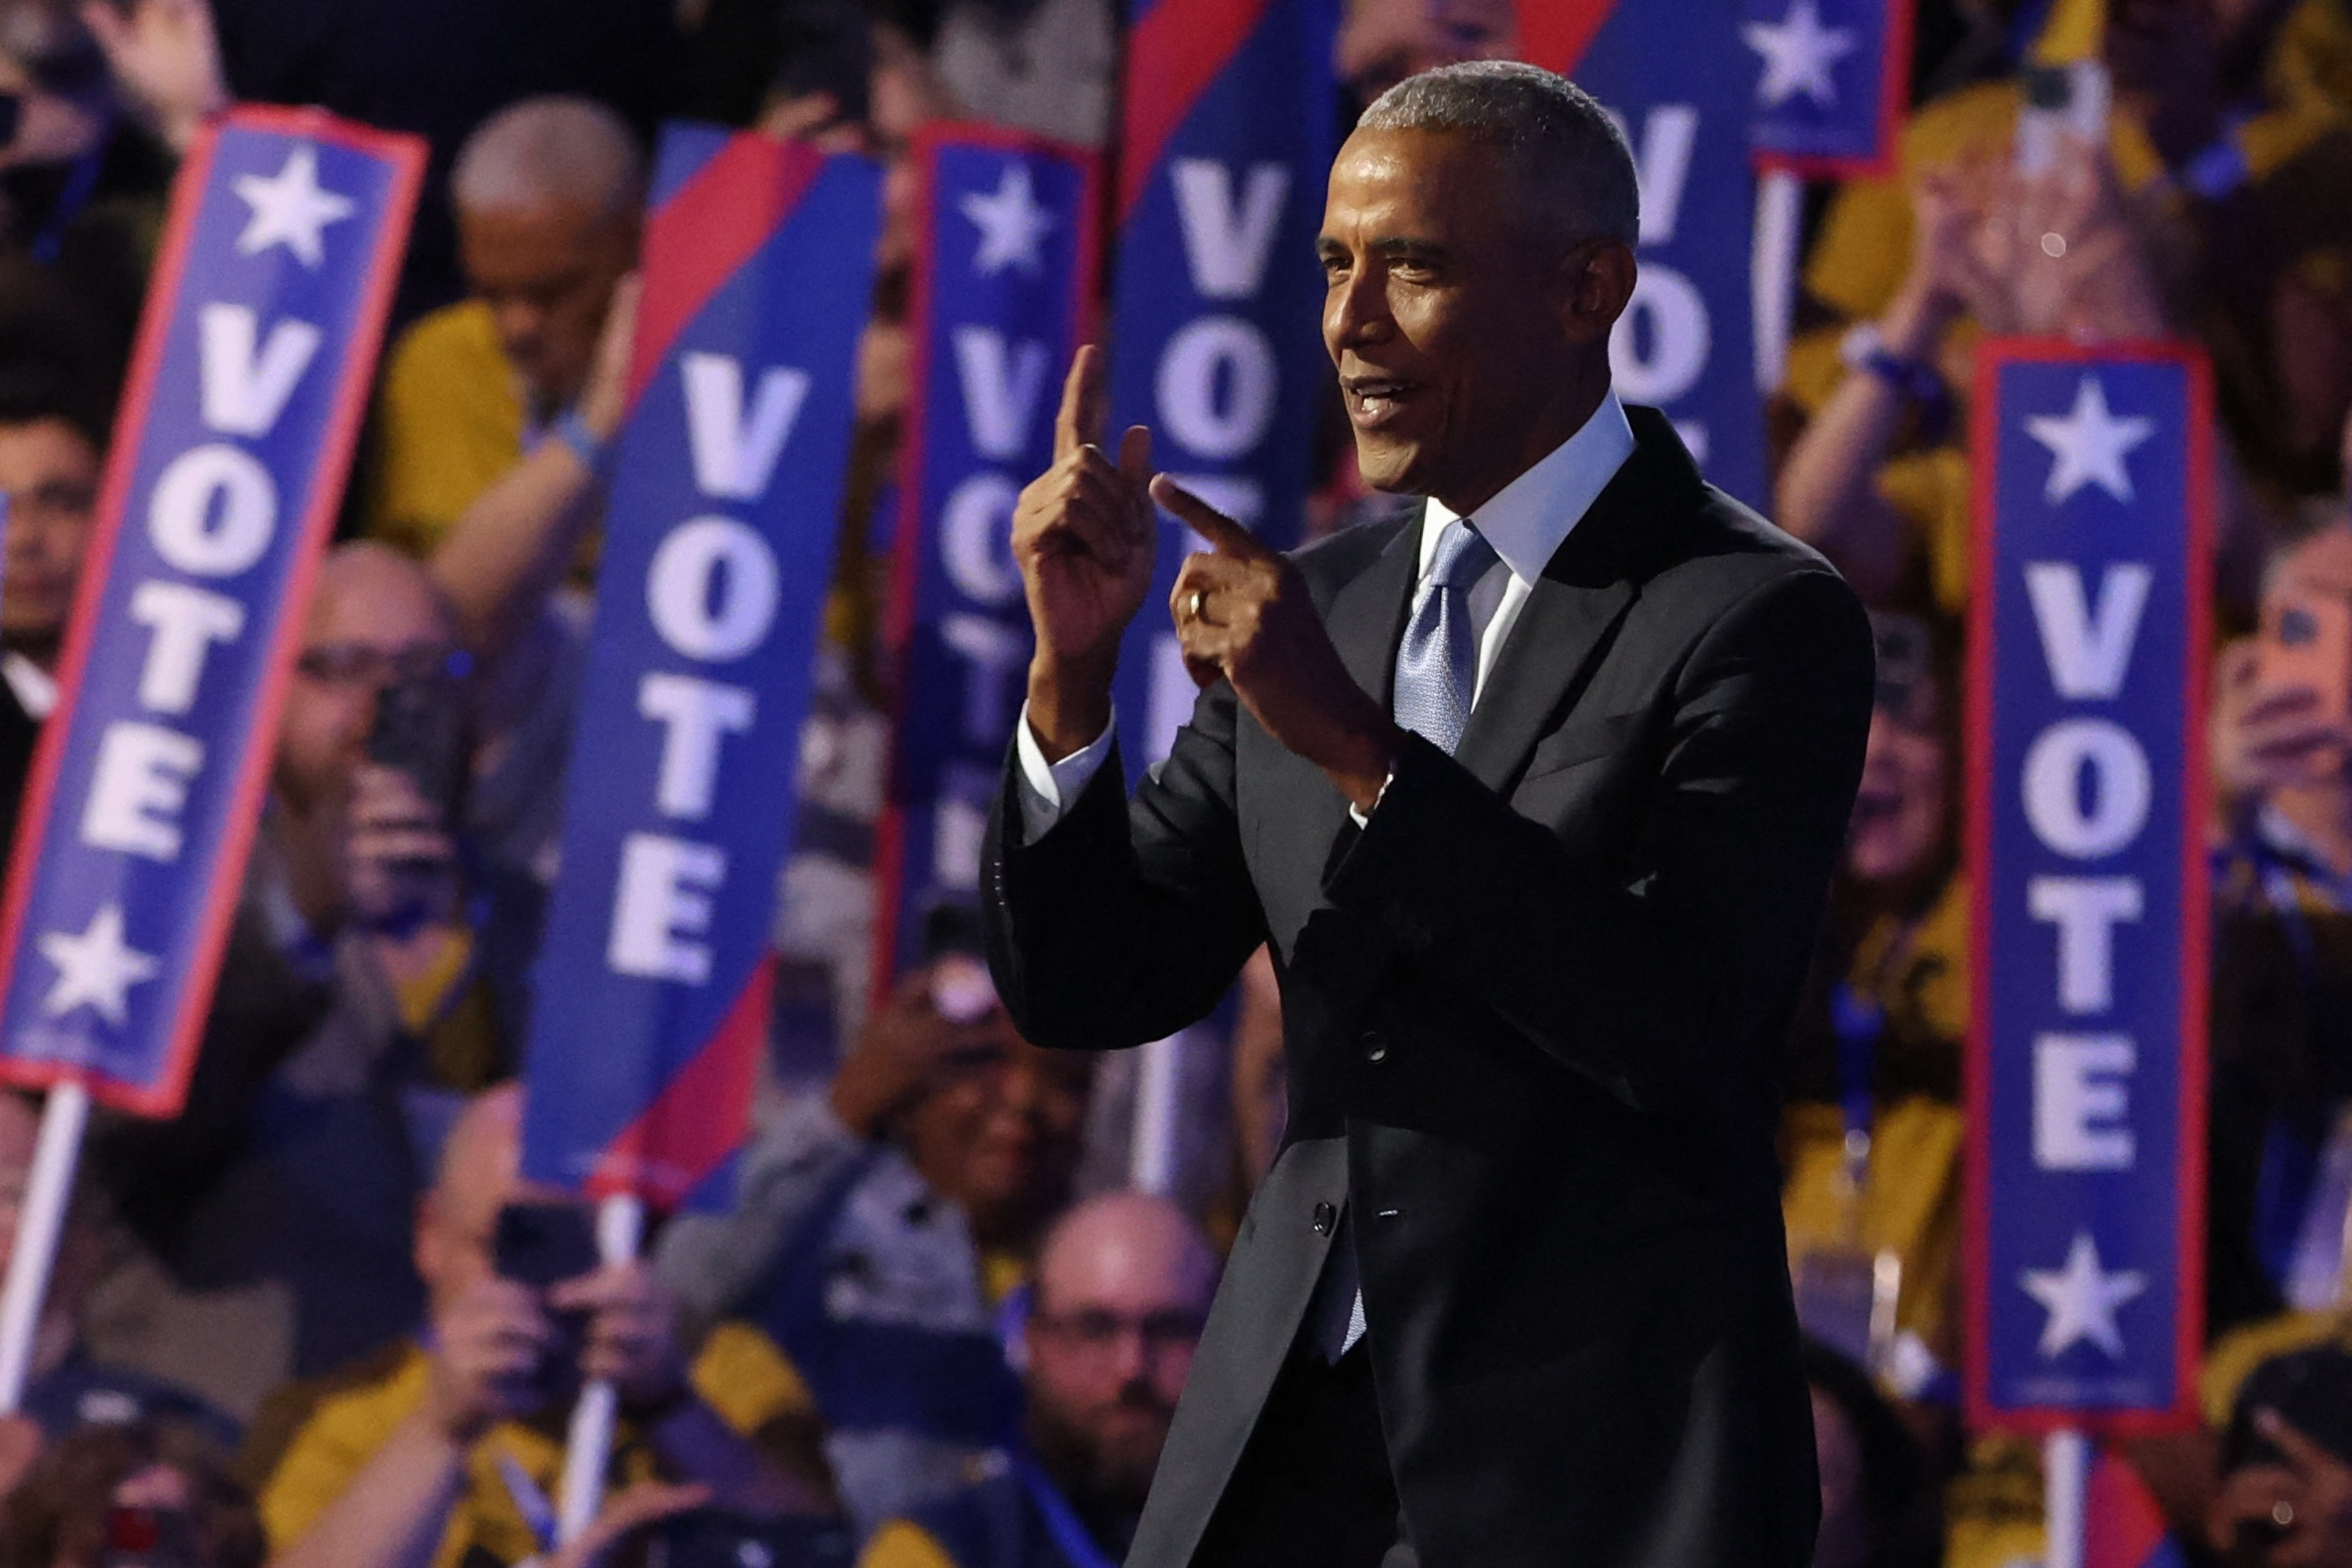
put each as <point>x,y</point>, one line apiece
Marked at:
<point>1123,1288</point>
<point>886,1229</point>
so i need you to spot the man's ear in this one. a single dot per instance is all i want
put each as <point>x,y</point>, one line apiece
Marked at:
<point>1596,283</point>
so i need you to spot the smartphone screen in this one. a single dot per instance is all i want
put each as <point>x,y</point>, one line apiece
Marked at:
<point>2308,642</point>
<point>544,1244</point>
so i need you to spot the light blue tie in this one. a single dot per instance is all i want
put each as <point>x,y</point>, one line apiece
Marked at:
<point>1437,663</point>
<point>1436,677</point>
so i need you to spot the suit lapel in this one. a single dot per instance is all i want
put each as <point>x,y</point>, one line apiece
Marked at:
<point>1367,613</point>
<point>1571,610</point>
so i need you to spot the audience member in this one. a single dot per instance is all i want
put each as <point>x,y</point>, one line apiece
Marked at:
<point>1880,477</point>
<point>1879,1507</point>
<point>456,1439</point>
<point>2228,133</point>
<point>548,195</point>
<point>441,69</point>
<point>83,180</point>
<point>2280,1145</point>
<point>1873,1130</point>
<point>67,1387</point>
<point>57,403</point>
<point>1122,1287</point>
<point>880,1226</point>
<point>145,1492</point>
<point>2286,1499</point>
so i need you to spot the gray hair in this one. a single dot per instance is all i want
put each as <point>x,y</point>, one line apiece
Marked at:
<point>554,149</point>
<point>1569,157</point>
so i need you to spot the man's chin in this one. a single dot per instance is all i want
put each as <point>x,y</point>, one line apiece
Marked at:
<point>1392,467</point>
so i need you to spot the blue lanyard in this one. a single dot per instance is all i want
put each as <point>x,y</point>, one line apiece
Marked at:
<point>1061,1520</point>
<point>81,182</point>
<point>1857,1021</point>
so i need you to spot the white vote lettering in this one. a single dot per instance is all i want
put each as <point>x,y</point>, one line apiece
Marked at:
<point>2089,652</point>
<point>1216,385</point>
<point>214,511</point>
<point>712,588</point>
<point>1000,388</point>
<point>959,826</point>
<point>696,716</point>
<point>1659,347</point>
<point>1227,249</point>
<point>994,650</point>
<point>975,539</point>
<point>186,620</point>
<point>139,788</point>
<point>246,391</point>
<point>1661,166</point>
<point>2082,1101</point>
<point>735,457</point>
<point>662,905</point>
<point>2084,825</point>
<point>2086,911</point>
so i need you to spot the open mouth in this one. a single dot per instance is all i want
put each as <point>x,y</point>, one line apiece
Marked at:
<point>1373,400</point>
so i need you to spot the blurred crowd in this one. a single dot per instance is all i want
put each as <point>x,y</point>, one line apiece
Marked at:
<point>320,1318</point>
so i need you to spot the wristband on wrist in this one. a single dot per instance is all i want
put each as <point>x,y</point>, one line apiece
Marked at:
<point>1865,349</point>
<point>581,441</point>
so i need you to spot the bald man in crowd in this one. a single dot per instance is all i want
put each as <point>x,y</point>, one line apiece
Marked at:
<point>447,1449</point>
<point>1122,1287</point>
<point>548,195</point>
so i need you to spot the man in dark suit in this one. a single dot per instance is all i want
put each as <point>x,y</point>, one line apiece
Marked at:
<point>1534,797</point>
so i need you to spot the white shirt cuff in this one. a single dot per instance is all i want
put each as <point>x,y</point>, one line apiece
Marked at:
<point>1046,789</point>
<point>1363,819</point>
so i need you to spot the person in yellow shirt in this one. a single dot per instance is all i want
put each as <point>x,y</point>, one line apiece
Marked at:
<point>548,195</point>
<point>1873,1131</point>
<point>450,1451</point>
<point>1123,1288</point>
<point>2218,209</point>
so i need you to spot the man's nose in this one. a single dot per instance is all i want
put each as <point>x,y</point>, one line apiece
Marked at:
<point>1357,311</point>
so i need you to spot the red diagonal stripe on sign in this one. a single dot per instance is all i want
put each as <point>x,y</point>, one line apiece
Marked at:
<point>1554,34</point>
<point>699,1117</point>
<point>1173,55</point>
<point>702,235</point>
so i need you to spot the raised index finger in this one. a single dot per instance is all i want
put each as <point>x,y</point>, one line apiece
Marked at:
<point>1224,534</point>
<point>1080,422</point>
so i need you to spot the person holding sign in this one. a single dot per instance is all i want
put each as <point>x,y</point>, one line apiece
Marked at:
<point>444,1452</point>
<point>1535,797</point>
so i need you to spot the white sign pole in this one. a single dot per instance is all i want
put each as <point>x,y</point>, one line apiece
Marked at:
<point>2065,1486</point>
<point>1151,1147</point>
<point>1772,275</point>
<point>588,1445</point>
<point>41,1222</point>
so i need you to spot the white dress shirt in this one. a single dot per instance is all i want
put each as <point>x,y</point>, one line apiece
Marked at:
<point>1525,522</point>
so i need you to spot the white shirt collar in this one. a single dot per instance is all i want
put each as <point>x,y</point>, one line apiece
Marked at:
<point>1528,518</point>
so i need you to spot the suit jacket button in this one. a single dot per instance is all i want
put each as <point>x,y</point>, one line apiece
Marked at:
<point>1376,1046</point>
<point>1325,1214</point>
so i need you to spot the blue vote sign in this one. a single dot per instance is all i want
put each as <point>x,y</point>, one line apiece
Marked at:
<point>1832,80</point>
<point>1681,83</point>
<point>651,997</point>
<point>1216,339</point>
<point>1003,279</point>
<point>245,394</point>
<point>2086,694</point>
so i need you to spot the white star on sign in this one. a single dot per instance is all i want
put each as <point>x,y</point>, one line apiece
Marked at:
<point>2090,445</point>
<point>289,209</point>
<point>95,967</point>
<point>1010,223</point>
<point>2081,1298</point>
<point>1799,56</point>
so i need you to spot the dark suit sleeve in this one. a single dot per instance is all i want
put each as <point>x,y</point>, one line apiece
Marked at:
<point>1125,922</point>
<point>1649,983</point>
